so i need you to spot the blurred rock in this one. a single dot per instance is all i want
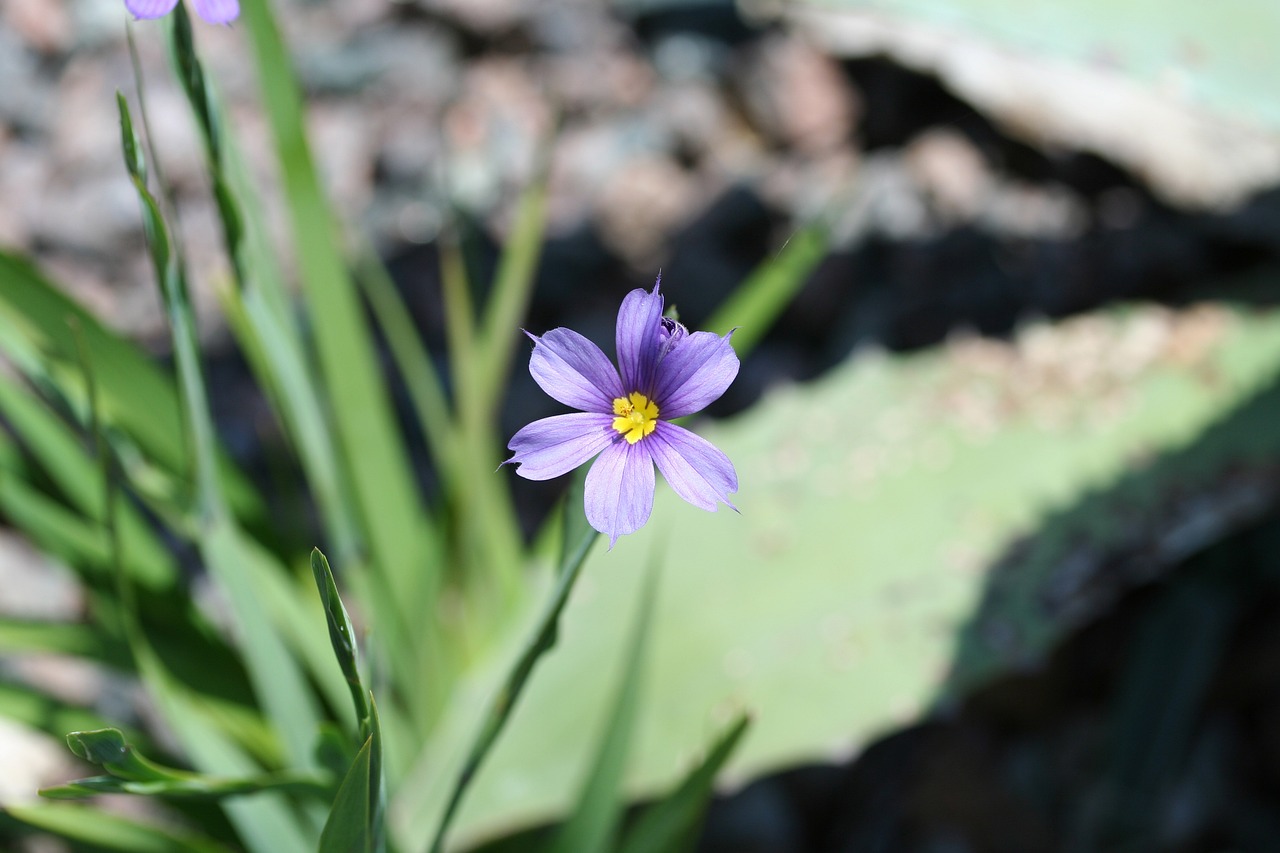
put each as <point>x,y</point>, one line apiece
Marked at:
<point>34,586</point>
<point>953,172</point>
<point>1191,155</point>
<point>42,24</point>
<point>33,760</point>
<point>25,98</point>
<point>493,130</point>
<point>640,206</point>
<point>89,215</point>
<point>797,96</point>
<point>483,17</point>
<point>344,152</point>
<point>84,128</point>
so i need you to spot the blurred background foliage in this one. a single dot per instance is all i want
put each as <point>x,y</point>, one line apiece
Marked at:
<point>1005,572</point>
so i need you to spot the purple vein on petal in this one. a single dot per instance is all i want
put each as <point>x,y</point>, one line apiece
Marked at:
<point>637,338</point>
<point>696,469</point>
<point>574,371</point>
<point>556,445</point>
<point>217,11</point>
<point>695,374</point>
<point>149,8</point>
<point>618,495</point>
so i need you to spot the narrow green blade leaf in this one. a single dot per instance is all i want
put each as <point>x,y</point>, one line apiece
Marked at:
<point>44,713</point>
<point>57,530</point>
<point>38,635</point>
<point>401,536</point>
<point>671,824</point>
<point>131,772</point>
<point>280,366</point>
<point>62,455</point>
<point>347,829</point>
<point>761,299</point>
<point>268,823</point>
<point>355,822</point>
<point>512,289</point>
<point>594,822</point>
<point>137,396</point>
<point>342,635</point>
<point>257,306</point>
<point>109,831</point>
<point>277,679</point>
<point>420,374</point>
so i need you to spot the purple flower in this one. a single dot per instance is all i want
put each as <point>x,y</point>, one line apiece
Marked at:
<point>213,11</point>
<point>666,373</point>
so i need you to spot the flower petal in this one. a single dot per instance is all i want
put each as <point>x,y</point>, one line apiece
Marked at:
<point>638,339</point>
<point>574,371</point>
<point>696,469</point>
<point>556,445</point>
<point>694,374</point>
<point>619,490</point>
<point>217,11</point>
<point>149,8</point>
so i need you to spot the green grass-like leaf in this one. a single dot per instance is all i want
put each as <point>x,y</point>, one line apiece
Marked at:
<point>131,772</point>
<point>671,824</point>
<point>137,397</point>
<point>62,455</point>
<point>594,821</point>
<point>110,831</point>
<point>757,303</point>
<point>277,680</point>
<point>401,537</point>
<point>342,636</point>
<point>510,295</point>
<point>355,821</point>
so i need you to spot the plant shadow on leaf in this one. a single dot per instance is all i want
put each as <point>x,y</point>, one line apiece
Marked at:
<point>1084,558</point>
<point>1104,692</point>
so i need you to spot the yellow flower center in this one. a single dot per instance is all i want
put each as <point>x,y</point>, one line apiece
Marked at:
<point>637,415</point>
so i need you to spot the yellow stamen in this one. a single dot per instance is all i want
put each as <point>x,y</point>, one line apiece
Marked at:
<point>637,416</point>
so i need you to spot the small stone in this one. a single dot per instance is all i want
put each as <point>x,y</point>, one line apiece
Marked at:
<point>952,170</point>
<point>92,214</point>
<point>641,205</point>
<point>798,96</point>
<point>34,586</point>
<point>42,24</point>
<point>32,760</point>
<point>488,17</point>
